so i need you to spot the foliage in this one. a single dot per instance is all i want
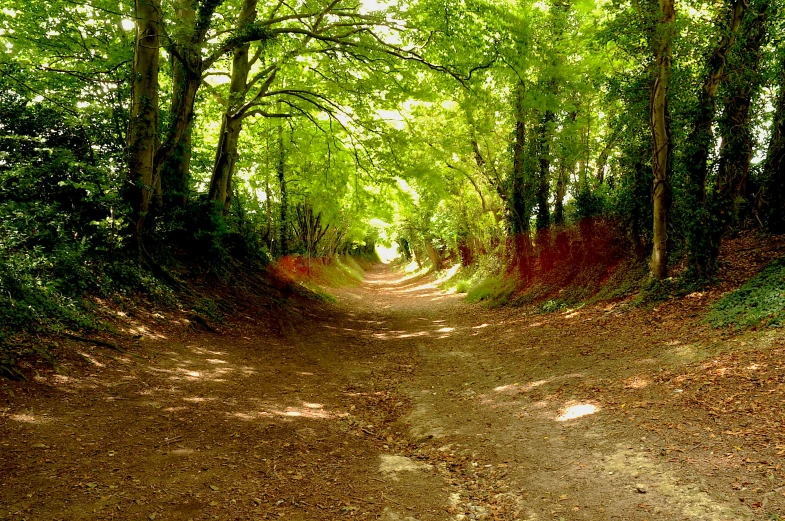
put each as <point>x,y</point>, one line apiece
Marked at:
<point>466,278</point>
<point>57,223</point>
<point>494,291</point>
<point>760,301</point>
<point>514,139</point>
<point>314,277</point>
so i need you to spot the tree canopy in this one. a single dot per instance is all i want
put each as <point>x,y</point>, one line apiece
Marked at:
<point>207,129</point>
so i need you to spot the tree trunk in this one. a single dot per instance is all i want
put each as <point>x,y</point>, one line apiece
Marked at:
<point>543,178</point>
<point>584,172</point>
<point>184,87</point>
<point>174,152</point>
<point>144,114</point>
<point>543,222</point>
<point>602,160</point>
<point>660,133</point>
<point>433,255</point>
<point>641,188</point>
<point>561,191</point>
<point>268,203</point>
<point>283,236</point>
<point>231,126</point>
<point>701,143</point>
<point>189,59</point>
<point>737,140</point>
<point>519,209</point>
<point>225,160</point>
<point>773,200</point>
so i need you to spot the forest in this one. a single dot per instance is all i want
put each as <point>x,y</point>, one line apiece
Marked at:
<point>221,198</point>
<point>538,135</point>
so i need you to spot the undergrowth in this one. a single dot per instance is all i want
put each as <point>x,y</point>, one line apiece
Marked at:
<point>760,301</point>
<point>310,276</point>
<point>625,281</point>
<point>495,290</point>
<point>484,281</point>
<point>488,282</point>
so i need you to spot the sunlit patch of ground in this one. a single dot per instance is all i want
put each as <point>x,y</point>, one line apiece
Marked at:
<point>572,411</point>
<point>32,419</point>
<point>637,382</point>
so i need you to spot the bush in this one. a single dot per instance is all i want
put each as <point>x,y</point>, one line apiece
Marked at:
<point>57,220</point>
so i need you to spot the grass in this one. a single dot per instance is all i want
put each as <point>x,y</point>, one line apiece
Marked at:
<point>494,290</point>
<point>488,284</point>
<point>462,279</point>
<point>463,286</point>
<point>483,282</point>
<point>342,271</point>
<point>313,291</point>
<point>760,301</point>
<point>312,278</point>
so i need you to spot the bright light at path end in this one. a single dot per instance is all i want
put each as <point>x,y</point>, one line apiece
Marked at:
<point>387,254</point>
<point>127,24</point>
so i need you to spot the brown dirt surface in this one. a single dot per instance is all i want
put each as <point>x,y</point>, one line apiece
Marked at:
<point>401,402</point>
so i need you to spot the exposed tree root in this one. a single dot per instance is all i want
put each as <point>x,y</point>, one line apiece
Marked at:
<point>97,342</point>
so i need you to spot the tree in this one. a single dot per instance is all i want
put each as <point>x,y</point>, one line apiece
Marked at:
<point>661,137</point>
<point>735,124</point>
<point>774,167</point>
<point>144,114</point>
<point>700,142</point>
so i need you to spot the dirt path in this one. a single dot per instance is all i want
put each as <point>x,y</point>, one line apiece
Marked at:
<point>397,403</point>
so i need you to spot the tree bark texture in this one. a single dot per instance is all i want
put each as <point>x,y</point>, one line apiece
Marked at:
<point>701,143</point>
<point>561,191</point>
<point>225,161</point>
<point>185,83</point>
<point>283,228</point>
<point>226,155</point>
<point>660,133</point>
<point>737,140</point>
<point>187,51</point>
<point>519,208</point>
<point>773,200</point>
<point>433,255</point>
<point>543,177</point>
<point>144,114</point>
